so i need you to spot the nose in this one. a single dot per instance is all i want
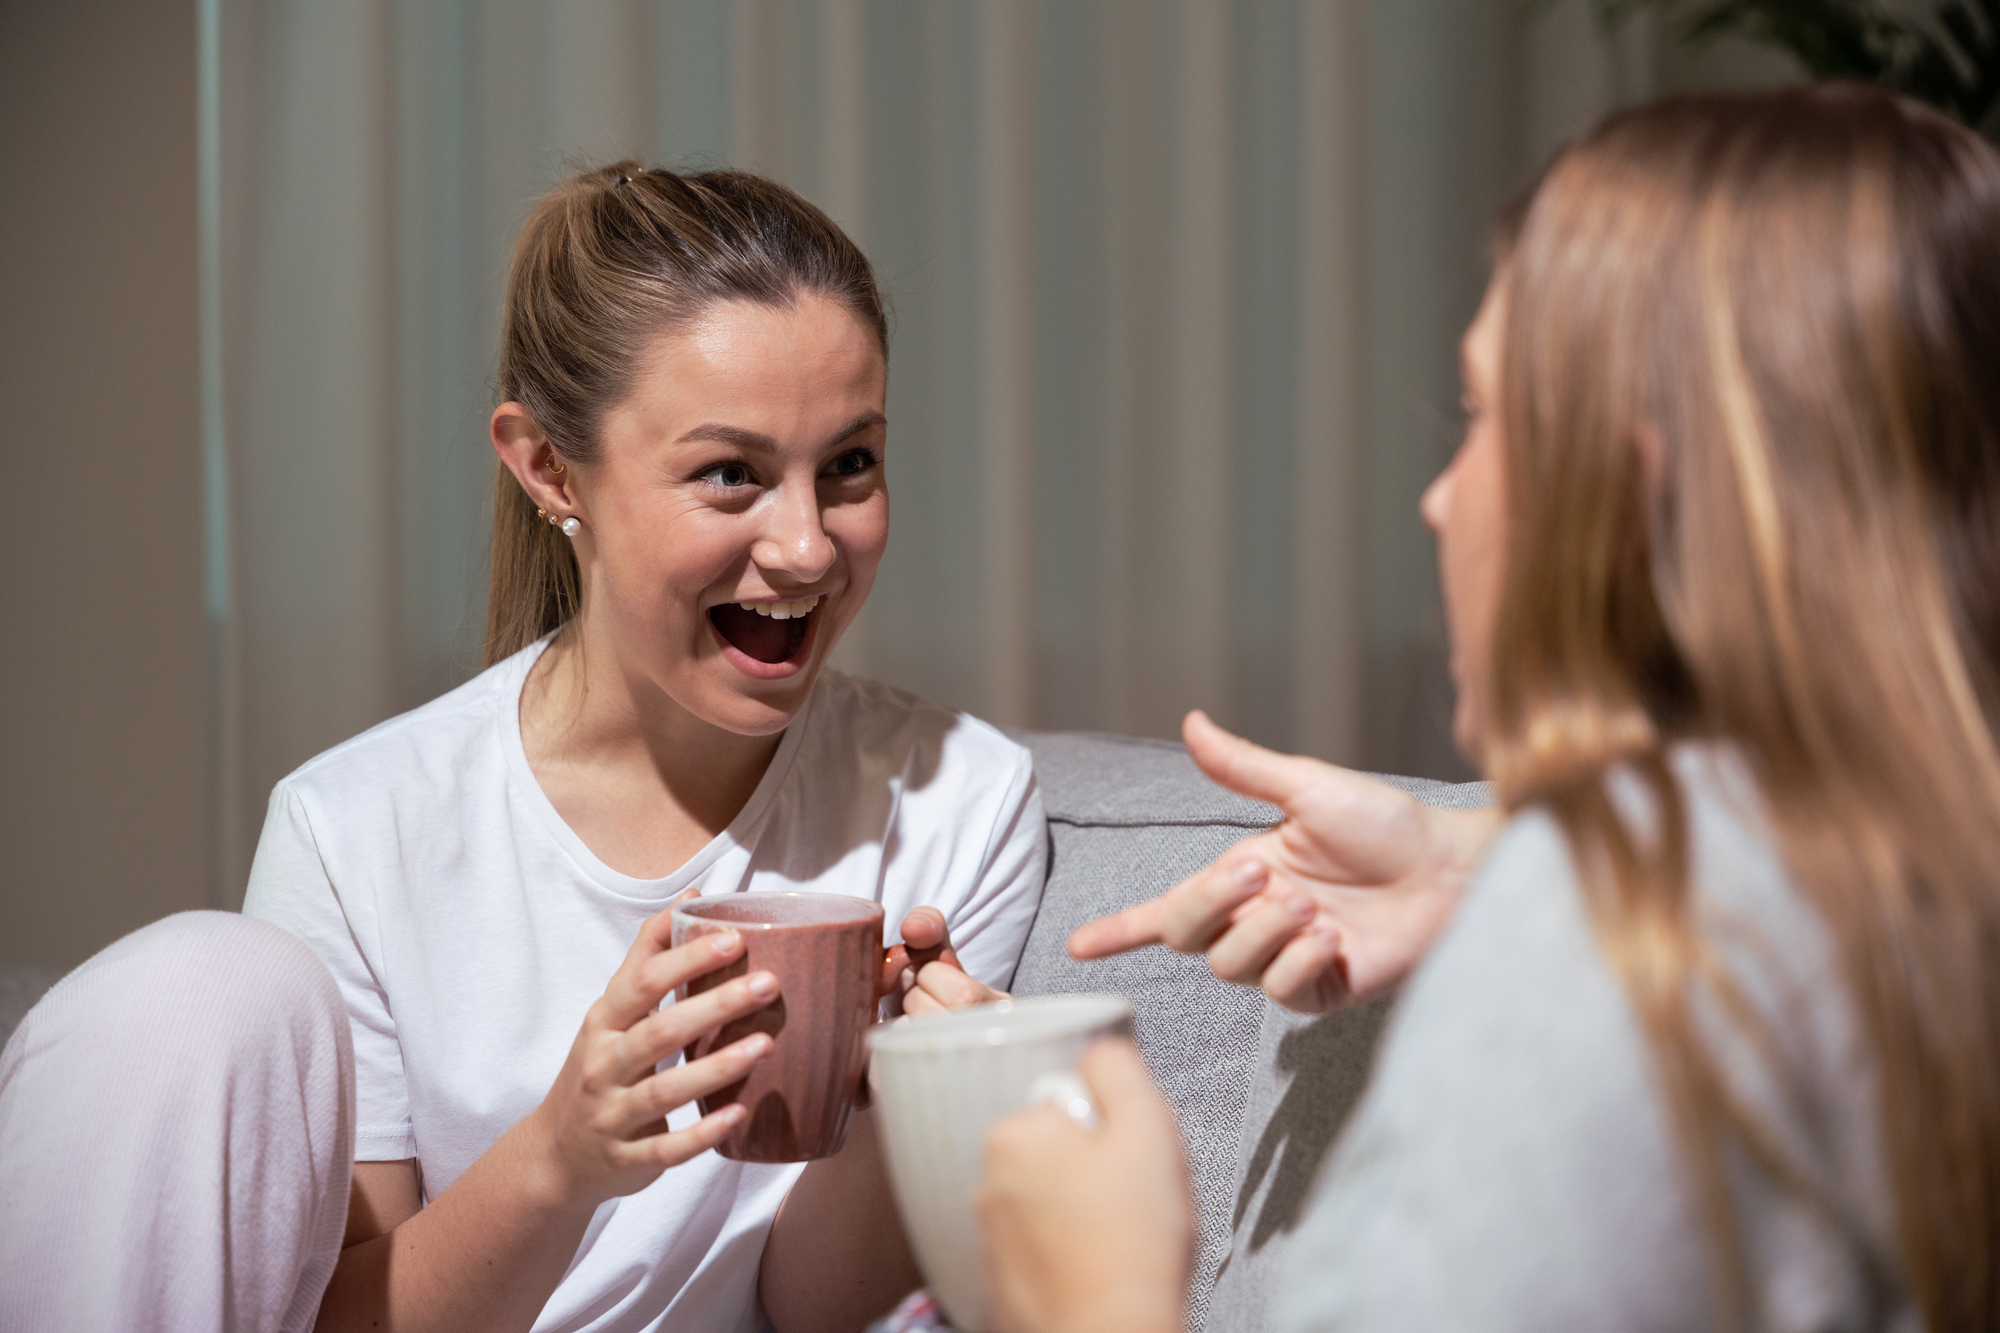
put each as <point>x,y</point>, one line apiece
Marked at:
<point>794,542</point>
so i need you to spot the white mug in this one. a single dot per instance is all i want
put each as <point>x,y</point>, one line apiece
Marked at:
<point>939,1083</point>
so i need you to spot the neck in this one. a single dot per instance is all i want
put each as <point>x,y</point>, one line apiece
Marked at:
<point>592,723</point>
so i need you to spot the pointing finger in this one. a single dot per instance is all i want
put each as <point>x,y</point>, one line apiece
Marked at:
<point>1201,907</point>
<point>1133,928</point>
<point>1246,768</point>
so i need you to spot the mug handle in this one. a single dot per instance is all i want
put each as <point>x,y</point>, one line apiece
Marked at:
<point>896,959</point>
<point>899,956</point>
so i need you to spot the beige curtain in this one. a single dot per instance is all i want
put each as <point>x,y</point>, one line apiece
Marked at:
<point>1176,289</point>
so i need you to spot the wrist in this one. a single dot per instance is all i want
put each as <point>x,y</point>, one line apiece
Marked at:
<point>532,1159</point>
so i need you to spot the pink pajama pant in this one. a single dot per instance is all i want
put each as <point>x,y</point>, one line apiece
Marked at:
<point>177,1136</point>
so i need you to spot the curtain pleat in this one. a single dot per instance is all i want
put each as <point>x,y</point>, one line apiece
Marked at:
<point>1174,288</point>
<point>1006,361</point>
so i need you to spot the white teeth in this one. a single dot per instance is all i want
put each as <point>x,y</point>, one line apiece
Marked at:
<point>782,610</point>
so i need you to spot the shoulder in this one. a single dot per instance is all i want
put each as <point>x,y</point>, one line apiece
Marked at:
<point>1518,966</point>
<point>877,729</point>
<point>1527,908</point>
<point>1512,1153</point>
<point>1521,966</point>
<point>431,746</point>
<point>1507,1129</point>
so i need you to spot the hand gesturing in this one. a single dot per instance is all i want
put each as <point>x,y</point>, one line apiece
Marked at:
<point>1336,903</point>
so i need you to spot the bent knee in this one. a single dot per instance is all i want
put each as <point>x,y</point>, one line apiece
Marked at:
<point>185,977</point>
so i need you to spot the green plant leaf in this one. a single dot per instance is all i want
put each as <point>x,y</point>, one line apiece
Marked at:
<point>1948,57</point>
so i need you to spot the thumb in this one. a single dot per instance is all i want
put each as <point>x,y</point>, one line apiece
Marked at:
<point>926,939</point>
<point>656,935</point>
<point>1246,768</point>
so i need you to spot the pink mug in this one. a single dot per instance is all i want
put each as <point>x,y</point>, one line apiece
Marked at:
<point>826,951</point>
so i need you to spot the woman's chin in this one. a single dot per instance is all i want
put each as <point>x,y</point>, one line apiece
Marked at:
<point>758,698</point>
<point>752,707</point>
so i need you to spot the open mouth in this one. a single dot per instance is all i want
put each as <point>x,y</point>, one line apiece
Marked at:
<point>769,632</point>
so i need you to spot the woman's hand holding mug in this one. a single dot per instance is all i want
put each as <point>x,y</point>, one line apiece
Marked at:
<point>601,1131</point>
<point>1089,1229</point>
<point>923,972</point>
<point>1336,903</point>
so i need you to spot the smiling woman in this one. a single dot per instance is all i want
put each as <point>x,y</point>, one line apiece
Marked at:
<point>1707,1036</point>
<point>477,1065</point>
<point>691,508</point>
<point>692,504</point>
<point>742,470</point>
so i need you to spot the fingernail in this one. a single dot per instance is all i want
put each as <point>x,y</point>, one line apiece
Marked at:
<point>1249,874</point>
<point>756,1045</point>
<point>1301,906</point>
<point>762,985</point>
<point>725,942</point>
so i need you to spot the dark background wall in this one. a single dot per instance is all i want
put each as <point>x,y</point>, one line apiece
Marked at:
<point>113,802</point>
<point>104,816</point>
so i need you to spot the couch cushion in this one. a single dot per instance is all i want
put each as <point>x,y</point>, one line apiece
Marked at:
<point>1129,818</point>
<point>1199,1034</point>
<point>1100,781</point>
<point>1308,1073</point>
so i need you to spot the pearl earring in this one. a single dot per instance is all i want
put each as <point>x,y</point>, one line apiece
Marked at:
<point>570,525</point>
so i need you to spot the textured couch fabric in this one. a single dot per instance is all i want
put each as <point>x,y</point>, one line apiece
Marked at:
<point>1261,1092</point>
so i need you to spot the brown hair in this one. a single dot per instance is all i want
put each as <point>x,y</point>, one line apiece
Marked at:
<point>1751,395</point>
<point>609,260</point>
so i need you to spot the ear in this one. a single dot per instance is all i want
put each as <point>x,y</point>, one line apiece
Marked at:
<point>525,451</point>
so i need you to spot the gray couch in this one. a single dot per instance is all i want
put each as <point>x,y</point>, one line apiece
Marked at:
<point>1261,1092</point>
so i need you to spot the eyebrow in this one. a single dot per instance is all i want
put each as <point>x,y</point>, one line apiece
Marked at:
<point>749,439</point>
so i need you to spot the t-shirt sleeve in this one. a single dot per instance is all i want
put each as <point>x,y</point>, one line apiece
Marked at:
<point>991,924</point>
<point>291,886</point>
<point>1509,1166</point>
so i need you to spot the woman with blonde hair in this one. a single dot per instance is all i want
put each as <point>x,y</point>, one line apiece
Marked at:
<point>1714,1035</point>
<point>433,1077</point>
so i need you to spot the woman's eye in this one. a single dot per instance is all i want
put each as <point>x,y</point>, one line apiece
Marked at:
<point>854,462</point>
<point>729,475</point>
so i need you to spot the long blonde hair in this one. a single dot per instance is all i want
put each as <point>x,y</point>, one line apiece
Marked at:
<point>609,260</point>
<point>1751,394</point>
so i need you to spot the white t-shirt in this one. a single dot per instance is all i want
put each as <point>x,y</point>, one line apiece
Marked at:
<point>469,929</point>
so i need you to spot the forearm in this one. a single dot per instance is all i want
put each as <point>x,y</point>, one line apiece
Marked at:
<point>484,1255</point>
<point>836,1257</point>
